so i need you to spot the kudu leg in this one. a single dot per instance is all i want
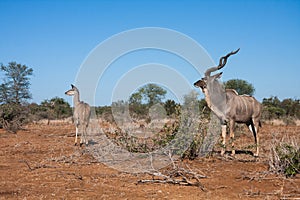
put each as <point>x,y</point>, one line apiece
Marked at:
<point>76,133</point>
<point>85,136</point>
<point>254,126</point>
<point>231,128</point>
<point>82,136</point>
<point>257,146</point>
<point>223,139</point>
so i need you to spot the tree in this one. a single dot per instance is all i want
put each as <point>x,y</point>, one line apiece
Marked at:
<point>4,94</point>
<point>15,88</point>
<point>170,107</point>
<point>241,86</point>
<point>136,98</point>
<point>272,108</point>
<point>146,97</point>
<point>152,94</point>
<point>272,101</point>
<point>291,107</point>
<point>14,91</point>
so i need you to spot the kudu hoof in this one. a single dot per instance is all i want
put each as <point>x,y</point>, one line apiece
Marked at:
<point>233,153</point>
<point>222,152</point>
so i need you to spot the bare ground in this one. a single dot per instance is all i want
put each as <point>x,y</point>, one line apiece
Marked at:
<point>42,163</point>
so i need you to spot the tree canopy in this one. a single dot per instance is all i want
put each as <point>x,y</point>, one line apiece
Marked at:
<point>274,108</point>
<point>241,86</point>
<point>15,86</point>
<point>149,94</point>
<point>145,98</point>
<point>14,93</point>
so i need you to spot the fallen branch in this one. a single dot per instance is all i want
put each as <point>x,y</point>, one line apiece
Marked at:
<point>37,166</point>
<point>172,181</point>
<point>177,175</point>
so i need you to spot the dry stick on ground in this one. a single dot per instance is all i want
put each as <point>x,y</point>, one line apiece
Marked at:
<point>257,176</point>
<point>177,175</point>
<point>276,193</point>
<point>37,166</point>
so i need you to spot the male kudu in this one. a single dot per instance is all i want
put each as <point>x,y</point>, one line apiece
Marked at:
<point>228,106</point>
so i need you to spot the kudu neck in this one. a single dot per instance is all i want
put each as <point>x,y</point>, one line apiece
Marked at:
<point>220,113</point>
<point>207,97</point>
<point>76,99</point>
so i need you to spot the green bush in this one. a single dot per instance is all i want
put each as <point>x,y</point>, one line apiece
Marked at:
<point>13,116</point>
<point>285,158</point>
<point>273,108</point>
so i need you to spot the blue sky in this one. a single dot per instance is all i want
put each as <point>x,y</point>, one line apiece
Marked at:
<point>56,37</point>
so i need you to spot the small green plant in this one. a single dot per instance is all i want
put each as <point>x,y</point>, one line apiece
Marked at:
<point>193,150</point>
<point>285,157</point>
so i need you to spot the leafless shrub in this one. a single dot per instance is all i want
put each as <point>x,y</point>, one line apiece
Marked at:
<point>123,138</point>
<point>186,131</point>
<point>197,144</point>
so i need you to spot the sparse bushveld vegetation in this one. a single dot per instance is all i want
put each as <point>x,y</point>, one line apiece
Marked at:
<point>15,111</point>
<point>55,108</point>
<point>143,107</point>
<point>287,110</point>
<point>285,156</point>
<point>185,125</point>
<point>128,139</point>
<point>141,127</point>
<point>164,120</point>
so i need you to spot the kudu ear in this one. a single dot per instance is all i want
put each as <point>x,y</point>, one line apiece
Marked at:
<point>217,76</point>
<point>72,86</point>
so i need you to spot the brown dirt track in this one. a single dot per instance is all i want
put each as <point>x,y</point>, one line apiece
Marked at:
<point>42,163</point>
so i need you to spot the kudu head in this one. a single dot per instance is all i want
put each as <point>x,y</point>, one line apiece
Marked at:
<point>202,83</point>
<point>72,91</point>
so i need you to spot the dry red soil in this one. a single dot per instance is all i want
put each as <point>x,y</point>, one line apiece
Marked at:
<point>41,162</point>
